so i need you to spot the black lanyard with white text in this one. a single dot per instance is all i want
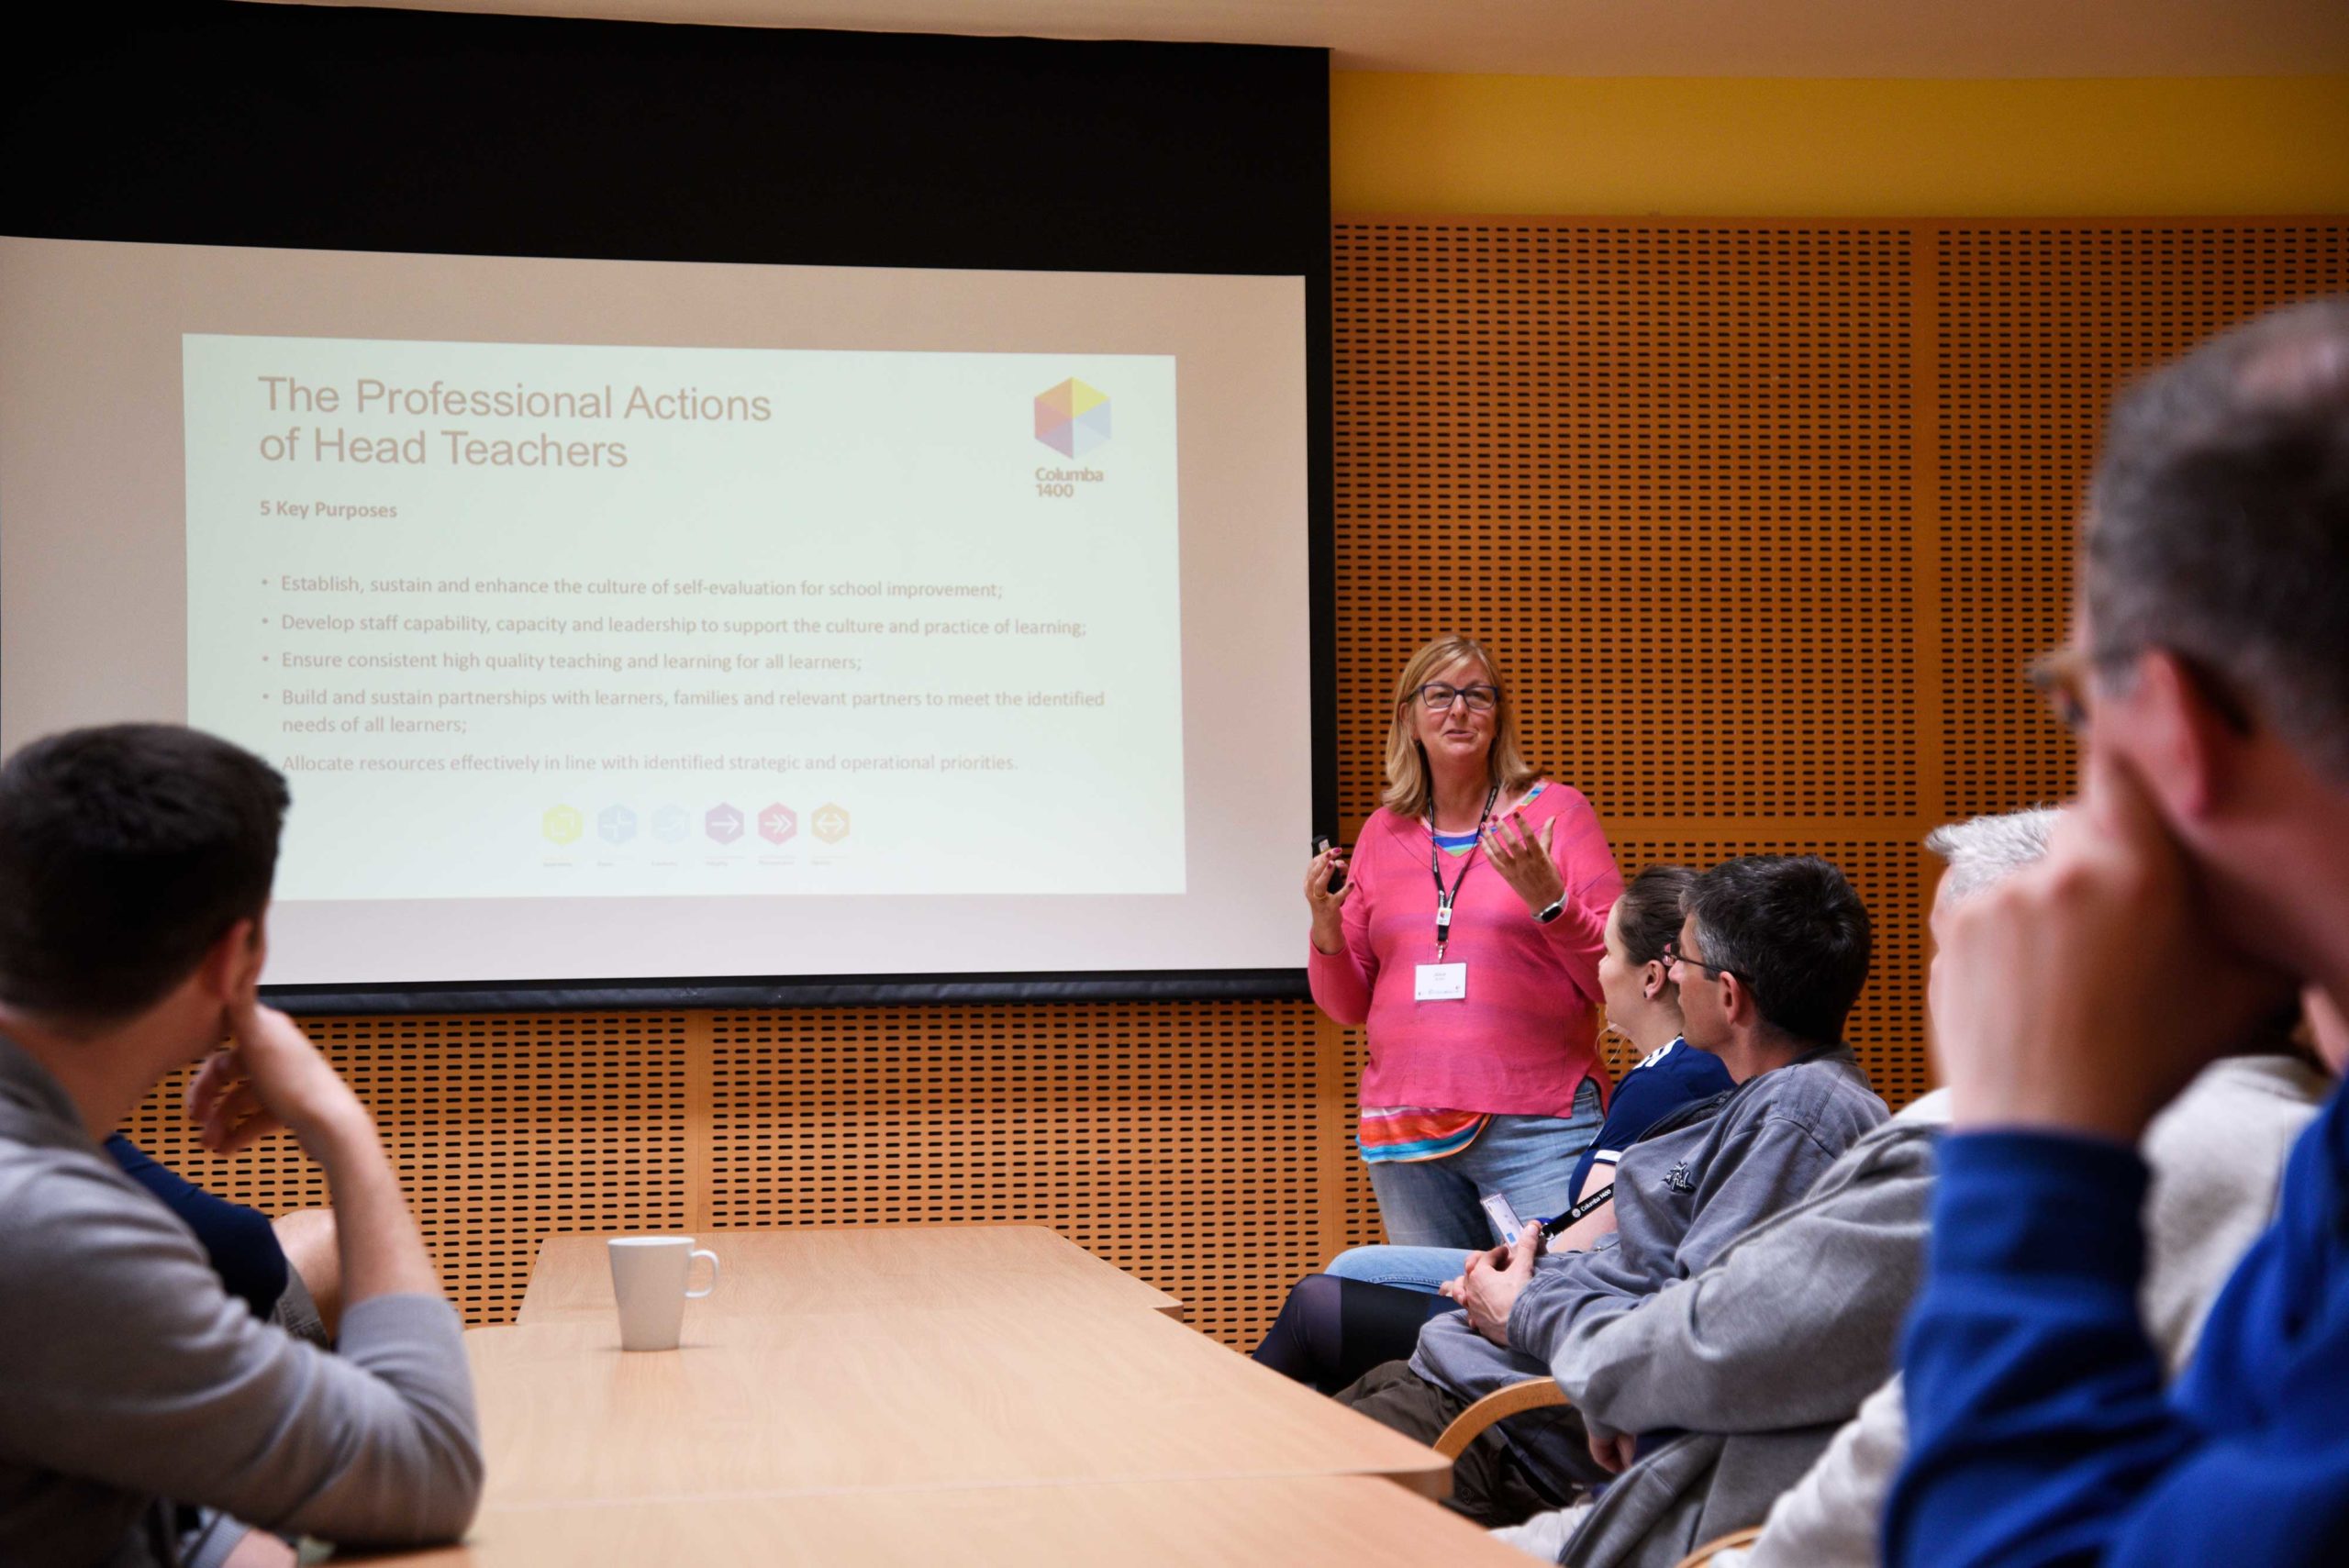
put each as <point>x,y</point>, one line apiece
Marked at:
<point>1443,895</point>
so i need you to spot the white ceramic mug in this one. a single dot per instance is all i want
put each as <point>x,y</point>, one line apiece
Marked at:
<point>648,1274</point>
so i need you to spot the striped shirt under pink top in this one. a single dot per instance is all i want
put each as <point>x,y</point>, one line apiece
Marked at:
<point>1526,1034</point>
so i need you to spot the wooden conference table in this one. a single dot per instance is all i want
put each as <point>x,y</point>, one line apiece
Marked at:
<point>763,1272</point>
<point>882,1399</point>
<point>1301,1521</point>
<point>990,1394</point>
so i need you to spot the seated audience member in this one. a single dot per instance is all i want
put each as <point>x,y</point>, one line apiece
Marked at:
<point>2215,1157</point>
<point>1753,1363</point>
<point>135,866</point>
<point>1369,1307</point>
<point>1735,1379</point>
<point>2210,677</point>
<point>1771,954</point>
<point>281,1270</point>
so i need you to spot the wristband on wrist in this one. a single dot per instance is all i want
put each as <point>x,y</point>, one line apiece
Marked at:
<point>1544,917</point>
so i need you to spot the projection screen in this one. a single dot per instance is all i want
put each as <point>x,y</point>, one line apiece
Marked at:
<point>686,621</point>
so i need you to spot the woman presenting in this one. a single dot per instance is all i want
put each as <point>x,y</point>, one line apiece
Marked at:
<point>1467,937</point>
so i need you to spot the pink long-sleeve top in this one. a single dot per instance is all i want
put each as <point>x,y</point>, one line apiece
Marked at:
<point>1527,1034</point>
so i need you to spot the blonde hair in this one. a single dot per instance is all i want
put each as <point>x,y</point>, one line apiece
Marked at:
<point>1409,791</point>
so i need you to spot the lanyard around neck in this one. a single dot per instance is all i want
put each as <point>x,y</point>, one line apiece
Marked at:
<point>1444,895</point>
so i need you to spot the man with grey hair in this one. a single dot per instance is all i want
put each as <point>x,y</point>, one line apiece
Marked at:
<point>2200,881</point>
<point>1735,1379</point>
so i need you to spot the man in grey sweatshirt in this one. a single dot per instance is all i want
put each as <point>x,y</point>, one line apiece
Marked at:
<point>1738,1375</point>
<point>1735,1380</point>
<point>1771,953</point>
<point>135,1392</point>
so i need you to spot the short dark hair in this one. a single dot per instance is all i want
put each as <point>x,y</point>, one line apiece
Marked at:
<point>1648,914</point>
<point>126,852</point>
<point>1794,933</point>
<point>2217,522</point>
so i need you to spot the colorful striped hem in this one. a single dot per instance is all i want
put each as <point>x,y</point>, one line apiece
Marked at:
<point>1405,1133</point>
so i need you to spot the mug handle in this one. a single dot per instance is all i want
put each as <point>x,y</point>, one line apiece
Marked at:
<point>703,1252</point>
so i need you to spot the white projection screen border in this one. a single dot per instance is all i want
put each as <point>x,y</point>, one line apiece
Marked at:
<point>834,466</point>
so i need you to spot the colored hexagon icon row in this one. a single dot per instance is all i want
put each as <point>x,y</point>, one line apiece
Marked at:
<point>723,823</point>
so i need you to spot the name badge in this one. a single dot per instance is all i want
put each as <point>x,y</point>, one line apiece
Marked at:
<point>1441,983</point>
<point>1504,1218</point>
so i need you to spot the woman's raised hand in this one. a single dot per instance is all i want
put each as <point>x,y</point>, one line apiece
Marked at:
<point>1523,860</point>
<point>1328,926</point>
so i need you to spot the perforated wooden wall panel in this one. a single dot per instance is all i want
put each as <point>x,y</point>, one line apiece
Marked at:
<point>1763,519</point>
<point>1764,516</point>
<point>1139,1132</point>
<point>2042,323</point>
<point>1663,473</point>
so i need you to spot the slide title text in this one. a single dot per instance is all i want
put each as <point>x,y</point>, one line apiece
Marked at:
<point>367,396</point>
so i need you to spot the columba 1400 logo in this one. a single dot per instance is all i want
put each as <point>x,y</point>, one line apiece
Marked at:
<point>1072,419</point>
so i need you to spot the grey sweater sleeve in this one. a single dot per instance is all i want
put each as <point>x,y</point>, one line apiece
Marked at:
<point>1764,1168</point>
<point>1790,1327</point>
<point>123,1361</point>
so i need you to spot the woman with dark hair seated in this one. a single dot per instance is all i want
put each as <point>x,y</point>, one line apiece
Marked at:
<point>285,1270</point>
<point>1368,1307</point>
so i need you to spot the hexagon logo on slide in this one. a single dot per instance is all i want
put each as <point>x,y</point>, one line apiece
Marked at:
<point>671,824</point>
<point>778,824</point>
<point>831,823</point>
<point>723,823</point>
<point>563,825</point>
<point>1073,418</point>
<point>617,824</point>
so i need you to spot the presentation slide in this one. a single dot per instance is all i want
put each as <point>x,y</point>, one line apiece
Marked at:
<point>617,620</point>
<point>602,621</point>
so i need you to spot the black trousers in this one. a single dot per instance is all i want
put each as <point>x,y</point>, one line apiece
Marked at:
<point>1331,1330</point>
<point>1488,1483</point>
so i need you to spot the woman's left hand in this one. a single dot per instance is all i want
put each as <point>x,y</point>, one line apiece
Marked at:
<point>1523,860</point>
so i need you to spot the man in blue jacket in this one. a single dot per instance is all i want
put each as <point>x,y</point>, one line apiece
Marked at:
<point>2203,877</point>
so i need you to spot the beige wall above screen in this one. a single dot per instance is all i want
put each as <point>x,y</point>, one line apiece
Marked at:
<point>1612,38</point>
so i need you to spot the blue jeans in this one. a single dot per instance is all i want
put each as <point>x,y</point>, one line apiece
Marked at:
<point>1530,1160</point>
<point>1407,1268</point>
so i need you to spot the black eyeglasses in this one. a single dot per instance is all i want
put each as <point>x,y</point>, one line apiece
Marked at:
<point>1674,958</point>
<point>1436,696</point>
